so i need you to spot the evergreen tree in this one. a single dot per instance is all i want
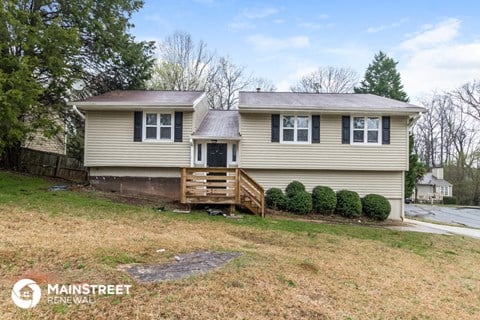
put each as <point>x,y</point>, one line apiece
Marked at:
<point>416,169</point>
<point>45,46</point>
<point>383,79</point>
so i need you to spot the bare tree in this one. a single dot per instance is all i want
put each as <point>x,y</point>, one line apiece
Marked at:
<point>182,65</point>
<point>225,82</point>
<point>327,80</point>
<point>262,84</point>
<point>468,98</point>
<point>448,135</point>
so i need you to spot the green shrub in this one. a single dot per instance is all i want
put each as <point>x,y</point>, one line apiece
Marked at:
<point>300,202</point>
<point>293,188</point>
<point>449,200</point>
<point>376,206</point>
<point>275,199</point>
<point>348,204</point>
<point>324,199</point>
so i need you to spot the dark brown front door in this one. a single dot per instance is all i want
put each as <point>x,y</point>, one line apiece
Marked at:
<point>216,154</point>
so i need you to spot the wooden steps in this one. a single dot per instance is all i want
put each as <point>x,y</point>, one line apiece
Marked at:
<point>222,186</point>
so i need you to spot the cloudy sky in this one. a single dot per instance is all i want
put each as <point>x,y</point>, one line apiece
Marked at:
<point>437,43</point>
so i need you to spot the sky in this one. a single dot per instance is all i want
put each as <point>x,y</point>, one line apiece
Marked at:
<point>436,43</point>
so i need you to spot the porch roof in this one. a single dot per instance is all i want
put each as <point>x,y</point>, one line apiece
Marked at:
<point>219,125</point>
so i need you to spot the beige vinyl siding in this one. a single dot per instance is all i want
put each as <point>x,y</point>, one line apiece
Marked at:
<point>148,172</point>
<point>109,142</point>
<point>257,150</point>
<point>201,110</point>
<point>386,183</point>
<point>55,144</point>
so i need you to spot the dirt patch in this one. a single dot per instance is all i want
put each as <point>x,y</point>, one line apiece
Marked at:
<point>184,266</point>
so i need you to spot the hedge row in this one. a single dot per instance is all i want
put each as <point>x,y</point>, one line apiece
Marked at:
<point>324,200</point>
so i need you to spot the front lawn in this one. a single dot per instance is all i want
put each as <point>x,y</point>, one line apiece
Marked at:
<point>289,269</point>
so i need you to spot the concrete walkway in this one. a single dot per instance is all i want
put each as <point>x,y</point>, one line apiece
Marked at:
<point>420,226</point>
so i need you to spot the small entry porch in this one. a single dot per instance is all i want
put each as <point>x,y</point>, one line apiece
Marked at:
<point>222,186</point>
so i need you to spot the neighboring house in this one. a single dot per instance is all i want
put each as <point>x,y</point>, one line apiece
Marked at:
<point>432,187</point>
<point>54,144</point>
<point>158,141</point>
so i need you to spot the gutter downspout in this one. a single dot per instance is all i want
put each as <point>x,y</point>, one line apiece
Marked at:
<point>74,108</point>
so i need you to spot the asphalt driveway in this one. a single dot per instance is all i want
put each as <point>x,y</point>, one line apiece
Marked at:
<point>462,216</point>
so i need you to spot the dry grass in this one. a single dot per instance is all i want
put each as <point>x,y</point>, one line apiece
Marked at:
<point>291,274</point>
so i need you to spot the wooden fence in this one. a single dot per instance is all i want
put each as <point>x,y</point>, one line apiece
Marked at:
<point>52,165</point>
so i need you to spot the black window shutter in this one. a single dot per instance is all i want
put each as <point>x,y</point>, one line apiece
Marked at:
<point>345,129</point>
<point>137,126</point>
<point>315,129</point>
<point>385,130</point>
<point>178,127</point>
<point>275,128</point>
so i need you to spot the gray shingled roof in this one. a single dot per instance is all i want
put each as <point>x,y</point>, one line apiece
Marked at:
<point>219,124</point>
<point>144,97</point>
<point>265,101</point>
<point>429,179</point>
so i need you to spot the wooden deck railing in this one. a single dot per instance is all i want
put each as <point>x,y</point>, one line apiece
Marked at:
<point>221,186</point>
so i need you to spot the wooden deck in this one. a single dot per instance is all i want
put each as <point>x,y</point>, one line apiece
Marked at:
<point>222,186</point>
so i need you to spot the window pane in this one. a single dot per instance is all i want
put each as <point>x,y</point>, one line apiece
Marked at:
<point>199,152</point>
<point>234,153</point>
<point>288,121</point>
<point>372,123</point>
<point>302,122</point>
<point>358,136</point>
<point>287,134</point>
<point>302,135</point>
<point>151,119</point>
<point>373,136</point>
<point>359,123</point>
<point>166,119</point>
<point>151,133</point>
<point>165,133</point>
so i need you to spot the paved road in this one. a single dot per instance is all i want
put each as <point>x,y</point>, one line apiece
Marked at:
<point>463,216</point>
<point>420,226</point>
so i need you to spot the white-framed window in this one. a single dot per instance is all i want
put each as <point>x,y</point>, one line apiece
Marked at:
<point>295,129</point>
<point>234,152</point>
<point>444,190</point>
<point>158,126</point>
<point>365,130</point>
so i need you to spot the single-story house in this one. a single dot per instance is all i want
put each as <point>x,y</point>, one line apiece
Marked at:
<point>167,142</point>
<point>432,187</point>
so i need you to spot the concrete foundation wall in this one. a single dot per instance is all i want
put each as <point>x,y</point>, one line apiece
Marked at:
<point>167,188</point>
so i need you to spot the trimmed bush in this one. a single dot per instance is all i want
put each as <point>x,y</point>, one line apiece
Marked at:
<point>293,188</point>
<point>449,200</point>
<point>324,199</point>
<point>376,206</point>
<point>300,202</point>
<point>275,199</point>
<point>348,204</point>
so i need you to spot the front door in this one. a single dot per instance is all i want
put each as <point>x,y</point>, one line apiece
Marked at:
<point>216,155</point>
